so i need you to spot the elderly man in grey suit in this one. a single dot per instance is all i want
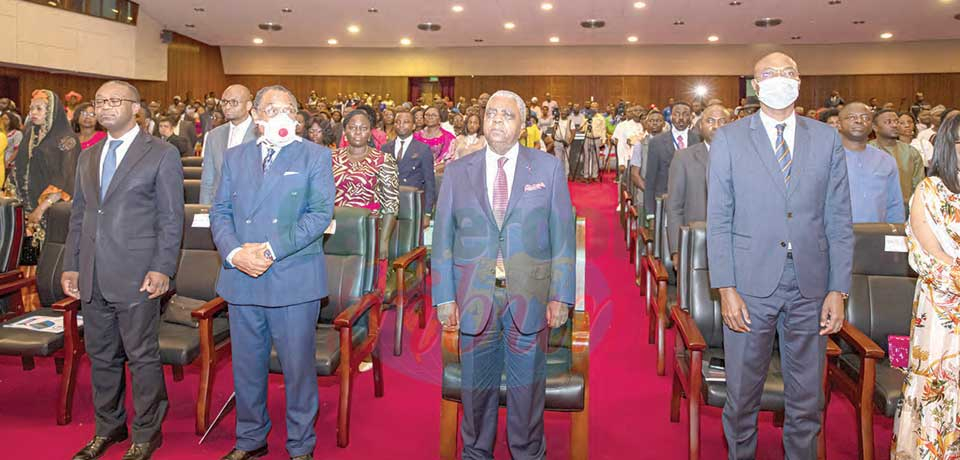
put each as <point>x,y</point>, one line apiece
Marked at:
<point>780,249</point>
<point>239,129</point>
<point>687,183</point>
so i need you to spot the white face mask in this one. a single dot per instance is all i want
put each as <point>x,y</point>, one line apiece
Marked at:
<point>778,92</point>
<point>279,131</point>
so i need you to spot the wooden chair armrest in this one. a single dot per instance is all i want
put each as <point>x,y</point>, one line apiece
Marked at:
<point>450,341</point>
<point>632,210</point>
<point>833,350</point>
<point>67,304</point>
<point>353,313</point>
<point>9,276</point>
<point>688,330</point>
<point>580,351</point>
<point>659,271</point>
<point>645,234</point>
<point>210,308</point>
<point>14,286</point>
<point>865,347</point>
<point>405,260</point>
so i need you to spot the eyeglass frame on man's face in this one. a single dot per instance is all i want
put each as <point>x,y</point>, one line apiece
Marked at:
<point>271,110</point>
<point>787,72</point>
<point>231,102</point>
<point>112,102</point>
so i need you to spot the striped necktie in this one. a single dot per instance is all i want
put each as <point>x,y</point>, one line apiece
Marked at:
<point>268,160</point>
<point>783,154</point>
<point>500,199</point>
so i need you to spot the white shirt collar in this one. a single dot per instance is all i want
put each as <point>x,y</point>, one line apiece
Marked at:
<point>243,126</point>
<point>127,137</point>
<point>681,133</point>
<point>512,154</point>
<point>770,124</point>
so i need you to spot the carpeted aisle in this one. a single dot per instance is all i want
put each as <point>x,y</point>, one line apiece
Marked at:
<point>629,402</point>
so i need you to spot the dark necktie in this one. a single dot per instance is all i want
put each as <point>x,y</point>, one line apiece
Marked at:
<point>271,154</point>
<point>109,167</point>
<point>400,151</point>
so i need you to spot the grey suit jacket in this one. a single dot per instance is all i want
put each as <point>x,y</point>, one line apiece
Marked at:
<point>659,155</point>
<point>752,216</point>
<point>214,146</point>
<point>686,191</point>
<point>138,226</point>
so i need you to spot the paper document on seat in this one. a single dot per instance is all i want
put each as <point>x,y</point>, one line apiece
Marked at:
<point>41,323</point>
<point>201,221</point>
<point>895,243</point>
<point>332,228</point>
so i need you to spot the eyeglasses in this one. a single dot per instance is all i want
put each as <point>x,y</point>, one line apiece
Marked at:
<point>88,114</point>
<point>770,72</point>
<point>863,118</point>
<point>231,102</point>
<point>272,110</point>
<point>111,102</point>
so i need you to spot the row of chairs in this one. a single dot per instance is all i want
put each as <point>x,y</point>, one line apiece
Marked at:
<point>880,305</point>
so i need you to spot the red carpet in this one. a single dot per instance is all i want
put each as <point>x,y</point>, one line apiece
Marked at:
<point>629,402</point>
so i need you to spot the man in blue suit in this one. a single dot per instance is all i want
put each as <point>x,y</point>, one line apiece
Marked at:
<point>414,160</point>
<point>273,204</point>
<point>780,249</point>
<point>503,270</point>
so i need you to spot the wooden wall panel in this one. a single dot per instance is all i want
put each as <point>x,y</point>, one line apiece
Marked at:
<point>328,86</point>
<point>938,88</point>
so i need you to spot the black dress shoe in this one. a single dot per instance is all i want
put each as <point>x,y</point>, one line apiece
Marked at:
<point>303,457</point>
<point>144,450</point>
<point>98,446</point>
<point>237,454</point>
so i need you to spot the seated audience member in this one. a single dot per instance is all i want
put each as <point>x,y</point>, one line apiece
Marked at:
<point>687,181</point>
<point>830,117</point>
<point>909,162</point>
<point>84,122</point>
<point>414,159</point>
<point>438,139</point>
<point>166,133</point>
<point>874,180</point>
<point>530,137</point>
<point>315,131</point>
<point>364,176</point>
<point>471,140</point>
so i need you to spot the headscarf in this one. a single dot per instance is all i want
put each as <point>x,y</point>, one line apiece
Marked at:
<point>48,155</point>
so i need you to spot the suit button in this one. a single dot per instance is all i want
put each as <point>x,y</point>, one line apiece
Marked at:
<point>789,215</point>
<point>99,211</point>
<point>501,237</point>
<point>249,221</point>
<point>274,220</point>
<point>783,245</point>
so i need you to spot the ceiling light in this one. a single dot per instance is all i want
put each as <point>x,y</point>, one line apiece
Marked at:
<point>405,41</point>
<point>199,9</point>
<point>257,41</point>
<point>639,5</point>
<point>593,23</point>
<point>768,22</point>
<point>679,22</point>
<point>428,27</point>
<point>115,11</point>
<point>332,41</point>
<point>700,90</point>
<point>859,22</point>
<point>457,8</point>
<point>287,10</point>
<point>546,6</point>
<point>632,39</point>
<point>353,29</point>
<point>189,26</point>
<point>736,3</point>
<point>713,38</point>
<point>886,35</point>
<point>270,26</point>
<point>372,10</point>
<point>509,25</point>
<point>554,39</point>
<point>478,40</point>
<point>834,2</point>
<point>795,37</point>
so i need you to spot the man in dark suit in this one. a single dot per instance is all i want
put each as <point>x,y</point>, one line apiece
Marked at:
<point>687,184</point>
<point>414,160</point>
<point>498,284</point>
<point>122,250</point>
<point>274,201</point>
<point>661,149</point>
<point>780,246</point>
<point>187,127</point>
<point>165,128</point>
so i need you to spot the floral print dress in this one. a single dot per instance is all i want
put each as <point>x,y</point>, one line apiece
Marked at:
<point>929,416</point>
<point>371,182</point>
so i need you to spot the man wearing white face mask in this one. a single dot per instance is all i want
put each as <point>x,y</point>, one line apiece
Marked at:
<point>274,201</point>
<point>780,246</point>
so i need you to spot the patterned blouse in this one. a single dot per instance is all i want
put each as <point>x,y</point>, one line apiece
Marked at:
<point>439,146</point>
<point>369,183</point>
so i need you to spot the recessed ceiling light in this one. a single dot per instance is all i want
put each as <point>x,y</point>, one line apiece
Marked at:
<point>115,11</point>
<point>713,38</point>
<point>478,40</point>
<point>189,26</point>
<point>834,2</point>
<point>428,27</point>
<point>457,8</point>
<point>639,5</point>
<point>353,29</point>
<point>287,10</point>
<point>257,41</point>
<point>859,22</point>
<point>332,41</point>
<point>886,35</point>
<point>554,39</point>
<point>768,22</point>
<point>270,26</point>
<point>509,25</point>
<point>632,39</point>
<point>405,41</point>
<point>795,37</point>
<point>546,6</point>
<point>736,3</point>
<point>593,23</point>
<point>199,9</point>
<point>679,22</point>
<point>372,10</point>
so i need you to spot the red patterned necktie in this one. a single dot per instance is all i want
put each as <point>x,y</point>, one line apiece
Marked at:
<point>680,144</point>
<point>500,199</point>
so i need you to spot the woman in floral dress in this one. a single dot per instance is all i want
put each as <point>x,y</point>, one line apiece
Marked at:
<point>929,416</point>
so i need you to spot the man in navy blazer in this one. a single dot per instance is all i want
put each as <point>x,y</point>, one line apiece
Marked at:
<point>503,270</point>
<point>414,159</point>
<point>273,204</point>
<point>780,251</point>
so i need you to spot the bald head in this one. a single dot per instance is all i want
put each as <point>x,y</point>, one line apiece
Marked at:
<point>776,60</point>
<point>854,107</point>
<point>236,103</point>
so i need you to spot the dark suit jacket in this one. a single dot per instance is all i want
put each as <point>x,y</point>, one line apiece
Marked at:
<point>181,144</point>
<point>659,155</point>
<point>416,169</point>
<point>686,191</point>
<point>188,131</point>
<point>138,226</point>
<point>537,240</point>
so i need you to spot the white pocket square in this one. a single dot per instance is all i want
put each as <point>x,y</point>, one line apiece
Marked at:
<point>533,187</point>
<point>290,173</point>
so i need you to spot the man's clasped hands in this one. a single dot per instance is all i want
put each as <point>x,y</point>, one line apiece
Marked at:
<point>253,259</point>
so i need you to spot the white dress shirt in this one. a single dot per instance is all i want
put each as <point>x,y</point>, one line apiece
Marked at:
<point>510,167</point>
<point>789,132</point>
<point>127,139</point>
<point>406,145</point>
<point>623,133</point>
<point>235,137</point>
<point>685,135</point>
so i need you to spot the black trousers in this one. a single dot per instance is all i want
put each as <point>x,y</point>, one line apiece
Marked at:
<point>119,333</point>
